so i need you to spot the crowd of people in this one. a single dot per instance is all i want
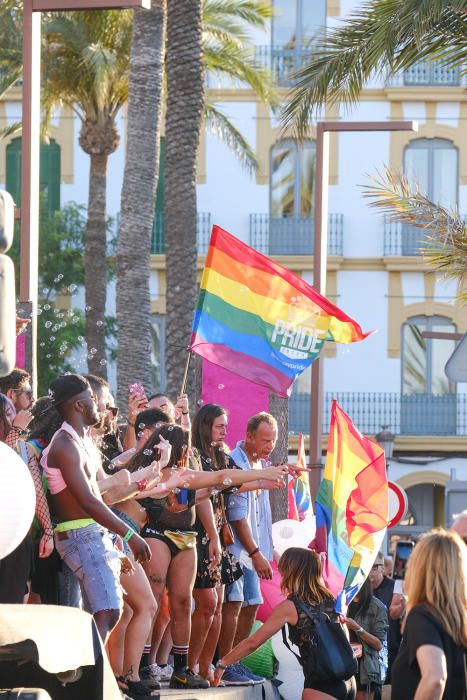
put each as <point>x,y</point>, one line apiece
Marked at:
<point>163,534</point>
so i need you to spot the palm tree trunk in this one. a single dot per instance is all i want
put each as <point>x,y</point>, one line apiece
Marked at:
<point>185,100</point>
<point>138,199</point>
<point>95,277</point>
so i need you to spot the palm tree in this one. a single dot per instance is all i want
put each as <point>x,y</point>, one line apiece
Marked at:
<point>138,197</point>
<point>383,36</point>
<point>86,62</point>
<point>216,43</point>
<point>445,234</point>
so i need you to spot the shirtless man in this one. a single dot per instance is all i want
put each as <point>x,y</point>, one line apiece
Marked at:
<point>81,536</point>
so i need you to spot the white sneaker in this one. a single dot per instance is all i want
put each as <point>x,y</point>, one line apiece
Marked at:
<point>164,673</point>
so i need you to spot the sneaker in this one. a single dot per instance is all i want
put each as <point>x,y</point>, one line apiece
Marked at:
<point>162,673</point>
<point>234,675</point>
<point>150,677</point>
<point>248,672</point>
<point>188,679</point>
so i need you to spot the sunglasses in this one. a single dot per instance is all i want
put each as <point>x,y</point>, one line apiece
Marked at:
<point>26,390</point>
<point>113,410</point>
<point>376,566</point>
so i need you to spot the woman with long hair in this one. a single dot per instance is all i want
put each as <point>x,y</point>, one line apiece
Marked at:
<point>431,663</point>
<point>300,571</point>
<point>169,531</point>
<point>367,621</point>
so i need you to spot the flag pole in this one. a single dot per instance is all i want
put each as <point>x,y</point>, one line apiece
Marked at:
<point>185,373</point>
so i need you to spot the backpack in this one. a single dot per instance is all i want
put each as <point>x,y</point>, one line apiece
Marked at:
<point>329,656</point>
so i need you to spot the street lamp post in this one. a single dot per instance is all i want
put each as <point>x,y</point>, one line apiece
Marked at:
<point>323,130</point>
<point>30,149</point>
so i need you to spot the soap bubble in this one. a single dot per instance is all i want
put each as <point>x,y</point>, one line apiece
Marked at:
<point>46,307</point>
<point>147,452</point>
<point>103,362</point>
<point>72,288</point>
<point>99,323</point>
<point>220,386</point>
<point>48,324</point>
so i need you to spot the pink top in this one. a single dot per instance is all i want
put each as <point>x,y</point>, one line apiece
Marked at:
<point>55,480</point>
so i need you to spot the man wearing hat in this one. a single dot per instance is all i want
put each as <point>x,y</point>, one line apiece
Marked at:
<point>71,465</point>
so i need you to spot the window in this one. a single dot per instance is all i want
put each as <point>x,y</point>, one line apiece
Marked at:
<point>433,165</point>
<point>296,22</point>
<point>424,359</point>
<point>50,173</point>
<point>292,179</point>
<point>158,239</point>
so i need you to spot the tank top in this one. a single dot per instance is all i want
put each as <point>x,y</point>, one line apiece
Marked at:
<point>55,480</point>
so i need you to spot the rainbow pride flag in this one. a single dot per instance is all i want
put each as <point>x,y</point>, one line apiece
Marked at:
<point>351,508</point>
<point>299,496</point>
<point>259,320</point>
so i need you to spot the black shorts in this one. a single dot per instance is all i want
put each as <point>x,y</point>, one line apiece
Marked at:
<point>340,690</point>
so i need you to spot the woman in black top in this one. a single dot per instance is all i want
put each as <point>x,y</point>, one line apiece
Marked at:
<point>300,570</point>
<point>431,663</point>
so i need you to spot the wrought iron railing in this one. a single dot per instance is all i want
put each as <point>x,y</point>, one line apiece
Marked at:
<point>292,235</point>
<point>428,73</point>
<point>414,414</point>
<point>404,239</point>
<point>203,233</point>
<point>283,62</point>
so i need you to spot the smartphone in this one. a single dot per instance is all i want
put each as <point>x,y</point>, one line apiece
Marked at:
<point>403,552</point>
<point>136,388</point>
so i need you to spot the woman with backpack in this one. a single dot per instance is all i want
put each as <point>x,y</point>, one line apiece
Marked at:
<point>367,621</point>
<point>325,652</point>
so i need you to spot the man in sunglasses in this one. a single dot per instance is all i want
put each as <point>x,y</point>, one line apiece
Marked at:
<point>16,386</point>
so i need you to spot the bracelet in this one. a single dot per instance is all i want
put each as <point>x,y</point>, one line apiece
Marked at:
<point>251,554</point>
<point>128,535</point>
<point>221,665</point>
<point>360,631</point>
<point>132,425</point>
<point>142,484</point>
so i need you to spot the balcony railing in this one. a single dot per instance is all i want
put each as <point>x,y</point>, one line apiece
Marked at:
<point>283,62</point>
<point>428,73</point>
<point>404,239</point>
<point>292,235</point>
<point>203,233</point>
<point>415,414</point>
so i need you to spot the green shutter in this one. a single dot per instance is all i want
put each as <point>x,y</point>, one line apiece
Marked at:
<point>49,177</point>
<point>13,170</point>
<point>158,240</point>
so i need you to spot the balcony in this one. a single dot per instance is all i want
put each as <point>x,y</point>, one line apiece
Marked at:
<point>292,235</point>
<point>415,414</point>
<point>283,62</point>
<point>203,233</point>
<point>428,74</point>
<point>404,239</point>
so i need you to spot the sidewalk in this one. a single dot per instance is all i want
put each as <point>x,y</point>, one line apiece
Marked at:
<point>265,691</point>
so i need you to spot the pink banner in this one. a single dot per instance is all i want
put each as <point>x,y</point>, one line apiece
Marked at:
<point>241,398</point>
<point>21,351</point>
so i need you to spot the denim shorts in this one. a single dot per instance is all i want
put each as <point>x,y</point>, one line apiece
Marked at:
<point>130,522</point>
<point>246,590</point>
<point>91,556</point>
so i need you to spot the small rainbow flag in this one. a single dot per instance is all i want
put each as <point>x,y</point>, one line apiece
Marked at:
<point>299,496</point>
<point>351,508</point>
<point>259,320</point>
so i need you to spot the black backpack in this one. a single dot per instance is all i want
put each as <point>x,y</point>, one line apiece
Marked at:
<point>328,656</point>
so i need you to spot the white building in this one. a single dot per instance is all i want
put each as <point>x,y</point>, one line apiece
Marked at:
<point>375,273</point>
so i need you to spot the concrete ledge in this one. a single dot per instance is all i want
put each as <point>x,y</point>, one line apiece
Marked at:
<point>265,691</point>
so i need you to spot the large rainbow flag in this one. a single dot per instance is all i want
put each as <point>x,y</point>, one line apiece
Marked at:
<point>259,320</point>
<point>351,507</point>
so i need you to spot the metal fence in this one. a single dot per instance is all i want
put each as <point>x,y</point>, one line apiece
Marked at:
<point>416,414</point>
<point>428,73</point>
<point>283,62</point>
<point>292,235</point>
<point>203,233</point>
<point>404,239</point>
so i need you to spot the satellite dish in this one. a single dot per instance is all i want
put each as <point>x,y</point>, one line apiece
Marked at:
<point>456,366</point>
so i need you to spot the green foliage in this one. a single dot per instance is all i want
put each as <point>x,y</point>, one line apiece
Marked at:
<point>10,53</point>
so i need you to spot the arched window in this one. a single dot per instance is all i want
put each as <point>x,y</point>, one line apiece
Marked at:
<point>292,179</point>
<point>424,359</point>
<point>433,165</point>
<point>50,173</point>
<point>296,22</point>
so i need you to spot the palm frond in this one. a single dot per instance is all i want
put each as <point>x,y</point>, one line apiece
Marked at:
<point>445,236</point>
<point>382,36</point>
<point>10,130</point>
<point>221,126</point>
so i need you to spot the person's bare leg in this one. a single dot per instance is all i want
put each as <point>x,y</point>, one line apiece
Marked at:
<point>144,607</point>
<point>230,613</point>
<point>245,622</point>
<point>105,621</point>
<point>205,607</point>
<point>116,642</point>
<point>160,626</point>
<point>212,639</point>
<point>180,580</point>
<point>165,646</point>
